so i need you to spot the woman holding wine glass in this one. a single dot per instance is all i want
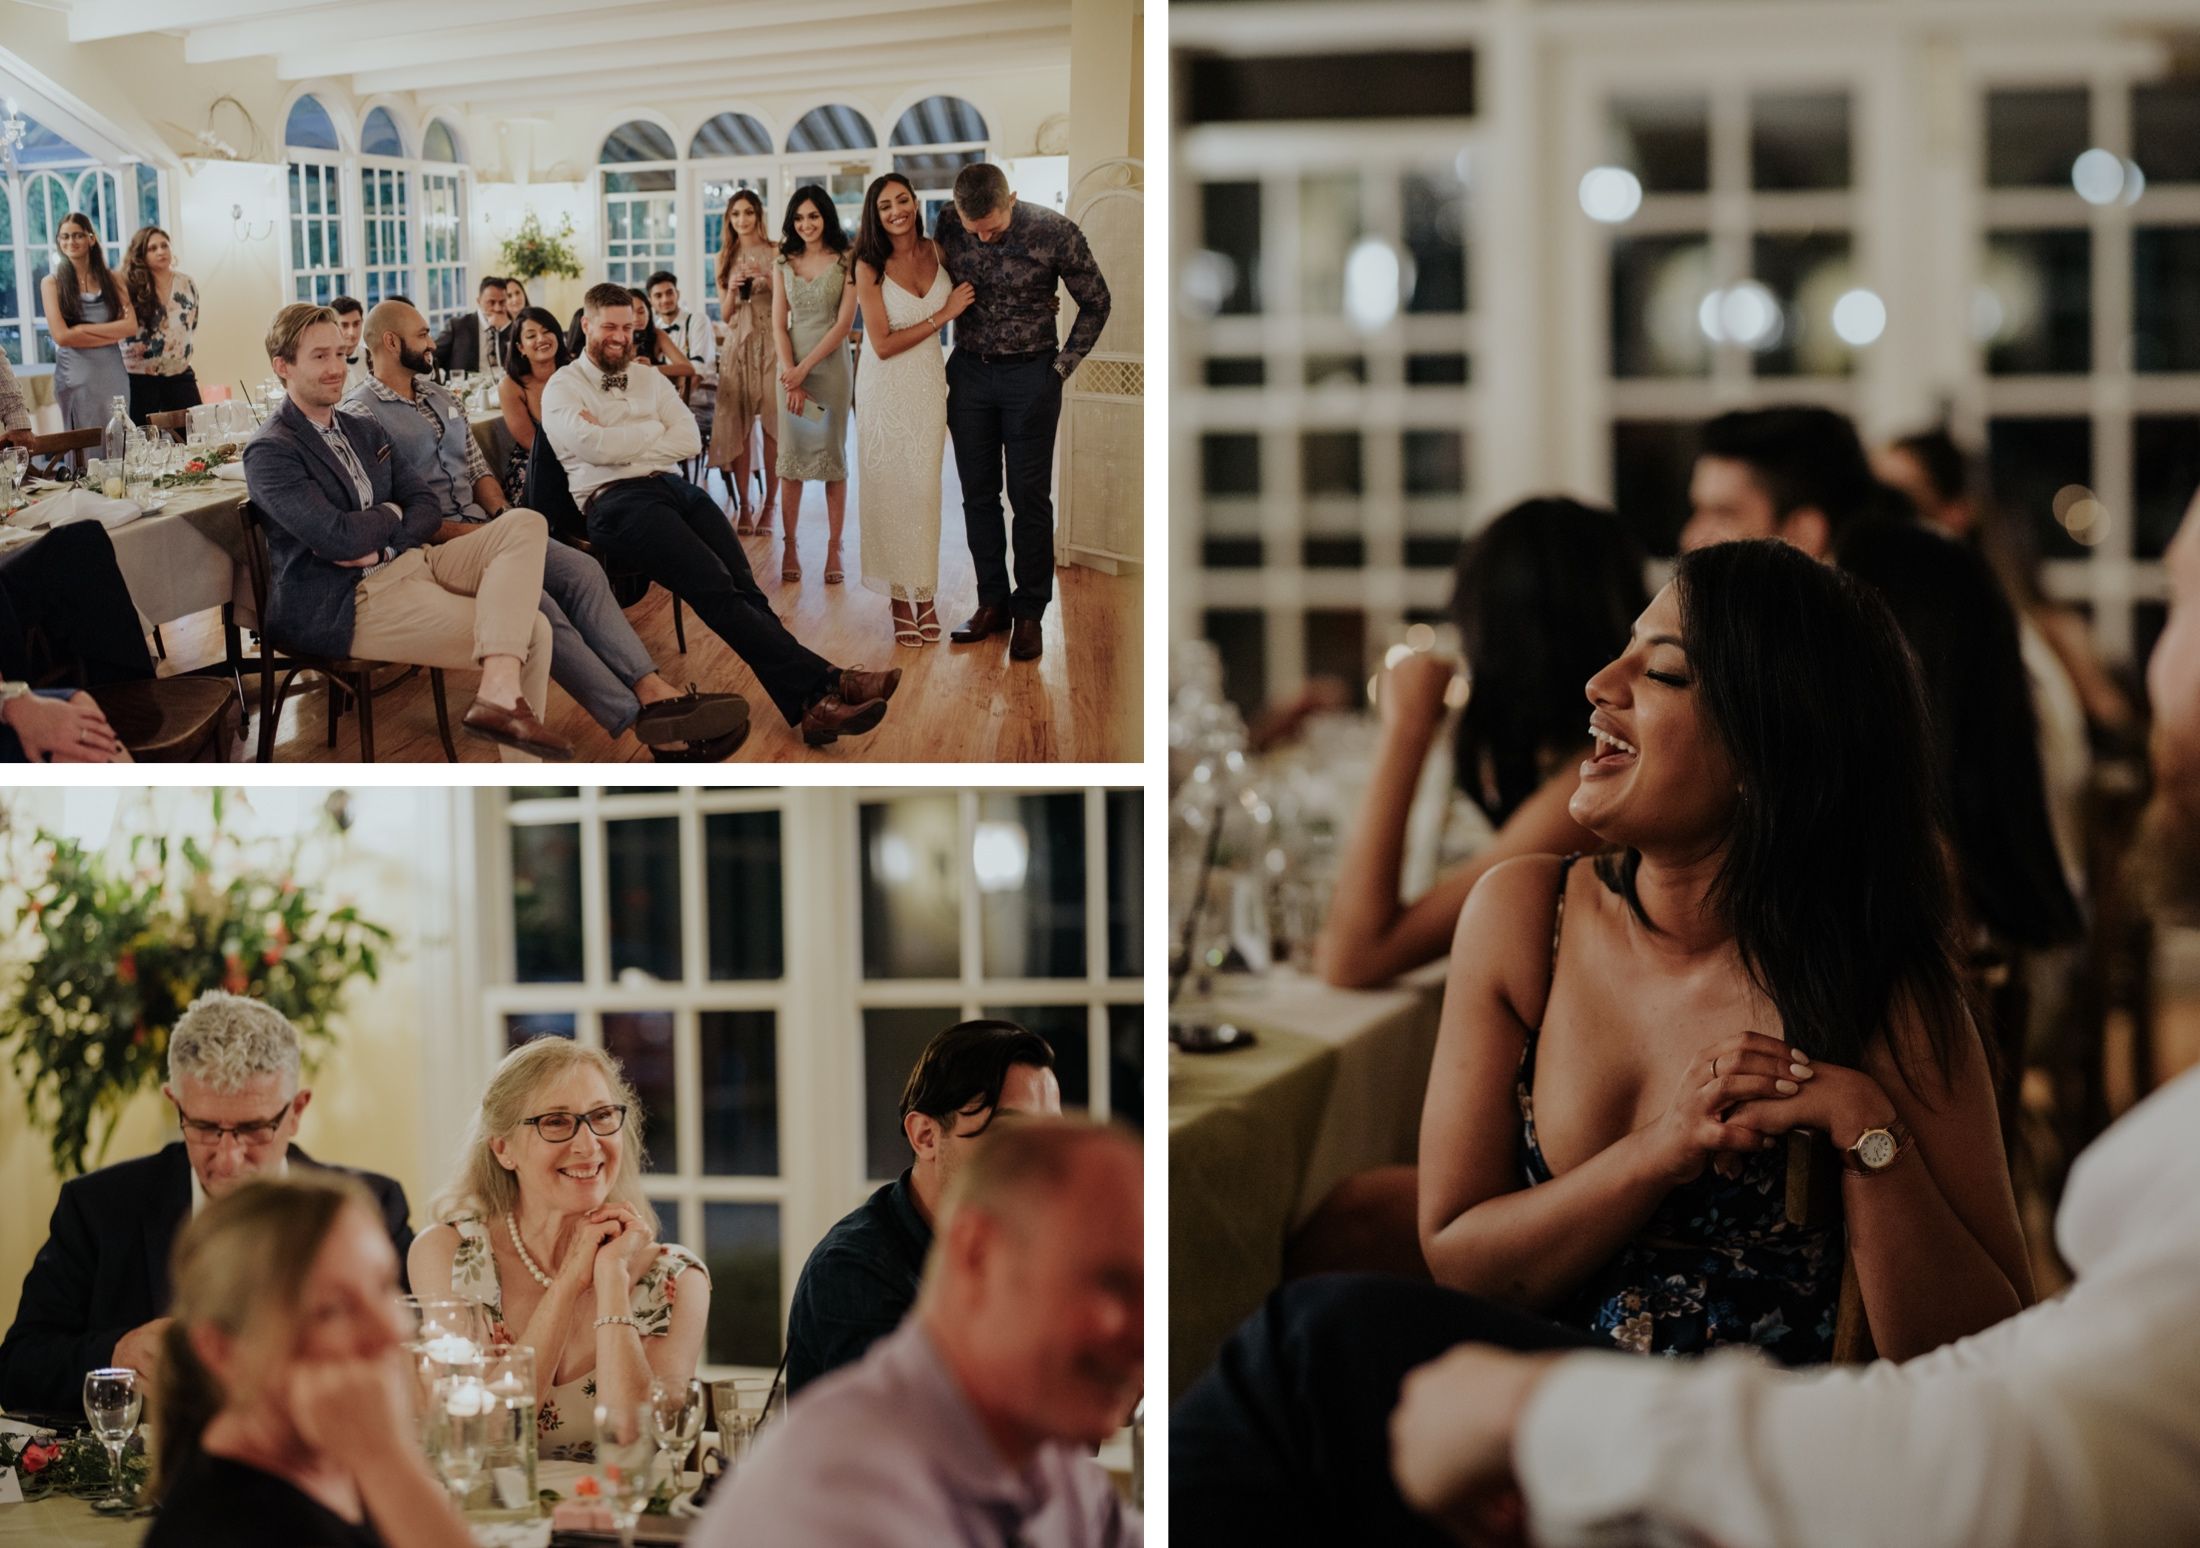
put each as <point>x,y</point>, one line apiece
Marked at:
<point>546,1225</point>
<point>284,1412</point>
<point>748,375</point>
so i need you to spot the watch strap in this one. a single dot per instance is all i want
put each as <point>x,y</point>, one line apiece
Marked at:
<point>13,688</point>
<point>1896,1129</point>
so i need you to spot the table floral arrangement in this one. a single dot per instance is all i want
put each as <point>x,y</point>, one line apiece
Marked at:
<point>78,1466</point>
<point>109,946</point>
<point>199,469</point>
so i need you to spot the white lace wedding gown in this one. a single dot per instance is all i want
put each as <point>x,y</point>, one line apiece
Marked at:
<point>901,435</point>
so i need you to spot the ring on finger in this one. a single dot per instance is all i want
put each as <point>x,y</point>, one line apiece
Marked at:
<point>1715,1066</point>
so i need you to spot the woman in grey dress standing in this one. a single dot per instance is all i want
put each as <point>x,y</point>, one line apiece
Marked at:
<point>90,317</point>
<point>813,307</point>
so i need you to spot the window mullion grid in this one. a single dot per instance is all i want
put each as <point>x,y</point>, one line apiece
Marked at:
<point>972,906</point>
<point>1096,948</point>
<point>2113,563</point>
<point>595,898</point>
<point>687,1030</point>
<point>1732,214</point>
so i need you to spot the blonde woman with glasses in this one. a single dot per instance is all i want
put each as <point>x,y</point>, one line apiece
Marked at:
<point>545,1224</point>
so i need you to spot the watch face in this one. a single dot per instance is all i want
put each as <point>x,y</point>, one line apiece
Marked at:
<point>1875,1148</point>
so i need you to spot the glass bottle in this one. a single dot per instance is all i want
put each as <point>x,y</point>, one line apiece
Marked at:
<point>114,441</point>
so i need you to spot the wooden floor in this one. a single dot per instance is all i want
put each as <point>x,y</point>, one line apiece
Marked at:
<point>1078,703</point>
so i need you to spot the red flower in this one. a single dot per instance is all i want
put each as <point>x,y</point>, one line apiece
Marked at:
<point>272,955</point>
<point>195,465</point>
<point>588,1489</point>
<point>37,1456</point>
<point>137,1038</point>
<point>126,967</point>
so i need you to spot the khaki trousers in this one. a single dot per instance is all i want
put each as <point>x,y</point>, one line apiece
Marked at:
<point>455,604</point>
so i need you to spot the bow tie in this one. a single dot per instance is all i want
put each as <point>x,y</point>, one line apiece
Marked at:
<point>614,381</point>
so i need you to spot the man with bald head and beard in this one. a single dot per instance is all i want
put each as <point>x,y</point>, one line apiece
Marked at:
<point>595,655</point>
<point>974,1422</point>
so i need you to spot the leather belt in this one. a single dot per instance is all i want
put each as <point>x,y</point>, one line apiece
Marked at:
<point>1017,357</point>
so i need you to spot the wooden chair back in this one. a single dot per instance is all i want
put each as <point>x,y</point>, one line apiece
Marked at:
<point>1813,1196</point>
<point>170,420</point>
<point>50,454</point>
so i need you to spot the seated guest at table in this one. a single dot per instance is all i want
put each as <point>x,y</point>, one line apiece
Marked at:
<point>688,333</point>
<point>976,1421</point>
<point>89,311</point>
<point>2071,1426</point>
<point>477,340</point>
<point>348,526</point>
<point>515,299</point>
<point>351,320</point>
<point>15,414</point>
<point>861,1280</point>
<point>97,1293</point>
<point>546,1225</point>
<point>538,349</point>
<point>595,655</point>
<point>64,606</point>
<point>1768,947</point>
<point>654,347</point>
<point>620,432</point>
<point>285,1413</point>
<point>158,355</point>
<point>1794,473</point>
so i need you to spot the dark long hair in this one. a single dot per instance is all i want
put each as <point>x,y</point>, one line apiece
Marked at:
<point>1985,733</point>
<point>727,241</point>
<point>517,366</point>
<point>1543,597</point>
<point>834,235</point>
<point>873,245</point>
<point>2007,544</point>
<point>137,278</point>
<point>1833,883</point>
<point>66,289</point>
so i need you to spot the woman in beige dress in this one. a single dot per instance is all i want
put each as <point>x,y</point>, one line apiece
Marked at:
<point>748,375</point>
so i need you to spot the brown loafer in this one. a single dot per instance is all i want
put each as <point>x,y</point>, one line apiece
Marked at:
<point>694,716</point>
<point>1025,641</point>
<point>987,620</point>
<point>714,749</point>
<point>516,728</point>
<point>860,687</point>
<point>832,717</point>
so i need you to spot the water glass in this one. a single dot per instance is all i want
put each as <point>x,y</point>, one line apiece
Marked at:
<point>509,1372</point>
<point>626,1449</point>
<point>677,1410</point>
<point>112,1403</point>
<point>468,1415</point>
<point>739,1408</point>
<point>11,477</point>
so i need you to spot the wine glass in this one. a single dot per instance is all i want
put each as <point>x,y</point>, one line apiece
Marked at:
<point>676,1413</point>
<point>112,1402</point>
<point>470,1412</point>
<point>626,1446</point>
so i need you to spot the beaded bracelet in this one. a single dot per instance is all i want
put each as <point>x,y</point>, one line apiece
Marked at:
<point>607,1321</point>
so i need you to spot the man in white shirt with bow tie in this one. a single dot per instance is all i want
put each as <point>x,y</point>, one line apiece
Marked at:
<point>622,432</point>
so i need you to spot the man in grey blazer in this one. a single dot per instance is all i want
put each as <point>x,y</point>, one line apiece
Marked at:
<point>348,529</point>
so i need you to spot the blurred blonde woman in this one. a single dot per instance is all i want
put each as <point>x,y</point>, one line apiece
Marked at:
<point>545,1224</point>
<point>284,1413</point>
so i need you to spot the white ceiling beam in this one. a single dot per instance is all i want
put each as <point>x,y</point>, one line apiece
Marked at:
<point>413,23</point>
<point>742,49</point>
<point>92,20</point>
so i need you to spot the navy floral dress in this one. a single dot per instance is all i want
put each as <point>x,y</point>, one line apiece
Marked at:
<point>1718,1263</point>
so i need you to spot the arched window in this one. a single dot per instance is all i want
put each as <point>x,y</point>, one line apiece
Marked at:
<point>641,223</point>
<point>442,225</point>
<point>842,132</point>
<point>379,136</point>
<point>385,209</point>
<point>440,143</point>
<point>730,134</point>
<point>933,140</point>
<point>739,151</point>
<point>54,176</point>
<point>317,266</point>
<point>637,140</point>
<point>834,127</point>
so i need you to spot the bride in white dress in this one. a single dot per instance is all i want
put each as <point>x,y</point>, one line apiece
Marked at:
<point>901,423</point>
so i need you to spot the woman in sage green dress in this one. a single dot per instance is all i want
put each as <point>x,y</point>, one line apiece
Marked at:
<point>813,306</point>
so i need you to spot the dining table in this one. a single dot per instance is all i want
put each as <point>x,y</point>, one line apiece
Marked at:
<point>1329,1085</point>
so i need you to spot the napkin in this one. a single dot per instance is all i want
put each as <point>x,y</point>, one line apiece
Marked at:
<point>77,505</point>
<point>230,472</point>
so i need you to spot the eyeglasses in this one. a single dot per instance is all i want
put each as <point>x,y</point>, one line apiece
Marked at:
<point>200,1132</point>
<point>557,1128</point>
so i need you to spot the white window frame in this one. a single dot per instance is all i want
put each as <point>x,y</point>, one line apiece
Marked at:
<point>417,181</point>
<point>32,266</point>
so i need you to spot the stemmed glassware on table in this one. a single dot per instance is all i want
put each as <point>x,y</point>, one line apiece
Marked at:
<point>741,1405</point>
<point>626,1449</point>
<point>677,1410</point>
<point>113,1402</point>
<point>14,468</point>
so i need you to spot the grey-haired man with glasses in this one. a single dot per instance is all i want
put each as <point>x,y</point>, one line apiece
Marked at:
<point>98,1287</point>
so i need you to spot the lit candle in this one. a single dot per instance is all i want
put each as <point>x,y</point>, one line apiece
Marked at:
<point>467,1398</point>
<point>451,1348</point>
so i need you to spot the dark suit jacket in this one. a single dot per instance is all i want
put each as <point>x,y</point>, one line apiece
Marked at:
<point>104,1271</point>
<point>313,519</point>
<point>458,346</point>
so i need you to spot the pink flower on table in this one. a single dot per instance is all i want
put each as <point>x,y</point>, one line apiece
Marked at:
<point>37,1456</point>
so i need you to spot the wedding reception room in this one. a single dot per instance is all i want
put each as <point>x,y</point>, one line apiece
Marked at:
<point>887,508</point>
<point>646,1104</point>
<point>1684,811</point>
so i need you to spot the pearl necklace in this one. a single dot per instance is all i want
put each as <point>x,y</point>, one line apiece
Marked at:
<point>525,1257</point>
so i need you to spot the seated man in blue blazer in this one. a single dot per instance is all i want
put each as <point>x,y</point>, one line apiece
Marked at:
<point>98,1290</point>
<point>348,529</point>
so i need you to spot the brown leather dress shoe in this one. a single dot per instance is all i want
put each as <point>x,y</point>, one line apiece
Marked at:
<point>516,728</point>
<point>693,716</point>
<point>1025,640</point>
<point>714,749</point>
<point>987,620</point>
<point>832,717</point>
<point>860,687</point>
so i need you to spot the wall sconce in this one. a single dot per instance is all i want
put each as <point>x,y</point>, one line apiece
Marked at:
<point>243,228</point>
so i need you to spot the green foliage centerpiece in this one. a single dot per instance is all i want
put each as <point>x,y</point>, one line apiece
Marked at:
<point>533,252</point>
<point>101,954</point>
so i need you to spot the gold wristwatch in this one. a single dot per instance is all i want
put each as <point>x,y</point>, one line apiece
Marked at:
<point>1877,1148</point>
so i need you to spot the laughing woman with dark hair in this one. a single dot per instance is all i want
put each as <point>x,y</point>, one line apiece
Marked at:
<point>1767,946</point>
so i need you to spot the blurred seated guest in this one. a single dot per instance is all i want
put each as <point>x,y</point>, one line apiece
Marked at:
<point>861,1280</point>
<point>1543,597</point>
<point>515,299</point>
<point>348,529</point>
<point>538,350</point>
<point>654,347</point>
<point>88,309</point>
<point>64,607</point>
<point>2071,1425</point>
<point>286,1410</point>
<point>351,321</point>
<point>158,355</point>
<point>595,655</point>
<point>480,339</point>
<point>15,414</point>
<point>1768,947</point>
<point>975,1421</point>
<point>620,432</point>
<point>1795,473</point>
<point>98,1291</point>
<point>545,1224</point>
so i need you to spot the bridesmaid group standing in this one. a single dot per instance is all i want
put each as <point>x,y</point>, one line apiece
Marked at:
<point>126,336</point>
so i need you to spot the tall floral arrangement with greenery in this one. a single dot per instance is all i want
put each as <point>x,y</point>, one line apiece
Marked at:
<point>103,951</point>
<point>532,252</point>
